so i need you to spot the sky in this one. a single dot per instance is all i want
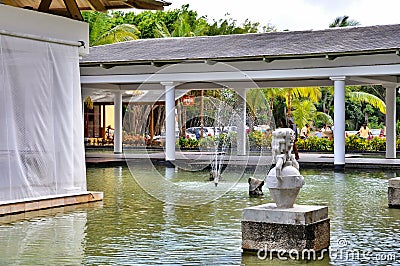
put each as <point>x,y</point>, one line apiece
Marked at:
<point>297,14</point>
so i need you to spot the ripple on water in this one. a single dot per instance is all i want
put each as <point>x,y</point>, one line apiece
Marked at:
<point>134,228</point>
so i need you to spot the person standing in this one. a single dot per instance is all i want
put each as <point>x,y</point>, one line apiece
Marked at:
<point>293,127</point>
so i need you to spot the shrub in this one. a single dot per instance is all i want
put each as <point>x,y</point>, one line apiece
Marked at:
<point>207,142</point>
<point>315,144</point>
<point>133,139</point>
<point>352,143</point>
<point>377,144</point>
<point>259,140</point>
<point>187,143</point>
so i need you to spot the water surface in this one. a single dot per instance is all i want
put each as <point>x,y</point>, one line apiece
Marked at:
<point>131,227</point>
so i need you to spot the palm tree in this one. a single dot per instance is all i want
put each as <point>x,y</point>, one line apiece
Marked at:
<point>311,93</point>
<point>271,94</point>
<point>365,97</point>
<point>120,33</point>
<point>343,21</point>
<point>256,102</point>
<point>305,111</point>
<point>183,28</point>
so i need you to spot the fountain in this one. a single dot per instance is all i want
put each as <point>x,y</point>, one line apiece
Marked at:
<point>282,226</point>
<point>284,180</point>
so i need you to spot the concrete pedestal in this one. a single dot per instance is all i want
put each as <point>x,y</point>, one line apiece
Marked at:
<point>394,192</point>
<point>265,227</point>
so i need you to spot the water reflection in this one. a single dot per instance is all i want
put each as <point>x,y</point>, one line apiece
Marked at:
<point>49,237</point>
<point>134,228</point>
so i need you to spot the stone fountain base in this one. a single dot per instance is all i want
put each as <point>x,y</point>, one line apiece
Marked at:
<point>394,192</point>
<point>268,228</point>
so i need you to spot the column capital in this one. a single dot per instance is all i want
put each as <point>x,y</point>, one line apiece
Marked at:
<point>169,83</point>
<point>338,78</point>
<point>392,86</point>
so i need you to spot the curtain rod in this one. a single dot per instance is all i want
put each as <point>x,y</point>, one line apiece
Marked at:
<point>41,38</point>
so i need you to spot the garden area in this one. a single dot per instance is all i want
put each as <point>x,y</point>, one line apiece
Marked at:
<point>264,106</point>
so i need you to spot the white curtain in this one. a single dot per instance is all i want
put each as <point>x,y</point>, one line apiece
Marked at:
<point>41,127</point>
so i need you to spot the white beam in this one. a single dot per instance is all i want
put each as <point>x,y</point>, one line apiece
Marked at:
<point>118,122</point>
<point>169,121</point>
<point>375,79</point>
<point>248,76</point>
<point>339,122</point>
<point>391,121</point>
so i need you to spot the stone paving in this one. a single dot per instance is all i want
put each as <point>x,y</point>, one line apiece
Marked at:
<point>307,160</point>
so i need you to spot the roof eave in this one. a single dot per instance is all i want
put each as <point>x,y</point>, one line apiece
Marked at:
<point>265,58</point>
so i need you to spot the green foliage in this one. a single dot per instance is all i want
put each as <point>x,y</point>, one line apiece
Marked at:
<point>315,144</point>
<point>188,143</point>
<point>355,143</point>
<point>180,22</point>
<point>258,140</point>
<point>354,115</point>
<point>343,21</point>
<point>352,143</point>
<point>120,33</point>
<point>398,128</point>
<point>228,26</point>
<point>377,144</point>
<point>184,26</point>
<point>207,142</point>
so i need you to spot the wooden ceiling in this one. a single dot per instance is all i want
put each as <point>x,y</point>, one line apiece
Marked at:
<point>72,8</point>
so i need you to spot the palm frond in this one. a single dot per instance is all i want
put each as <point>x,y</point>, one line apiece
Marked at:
<point>120,33</point>
<point>161,30</point>
<point>303,112</point>
<point>364,97</point>
<point>324,118</point>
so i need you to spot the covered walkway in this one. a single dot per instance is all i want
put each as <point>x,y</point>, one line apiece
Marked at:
<point>307,160</point>
<point>333,57</point>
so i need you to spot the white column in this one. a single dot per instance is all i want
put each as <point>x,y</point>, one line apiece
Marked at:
<point>241,129</point>
<point>118,122</point>
<point>339,122</point>
<point>169,88</point>
<point>390,121</point>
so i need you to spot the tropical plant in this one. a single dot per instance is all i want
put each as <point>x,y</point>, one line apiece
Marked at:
<point>120,33</point>
<point>305,111</point>
<point>258,140</point>
<point>343,21</point>
<point>311,93</point>
<point>182,27</point>
<point>256,104</point>
<point>315,144</point>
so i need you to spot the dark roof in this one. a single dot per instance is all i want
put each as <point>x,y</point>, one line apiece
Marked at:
<point>349,40</point>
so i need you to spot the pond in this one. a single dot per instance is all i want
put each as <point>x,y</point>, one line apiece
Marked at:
<point>132,227</point>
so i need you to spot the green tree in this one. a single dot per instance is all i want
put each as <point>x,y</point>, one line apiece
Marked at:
<point>182,27</point>
<point>256,105</point>
<point>228,26</point>
<point>305,112</point>
<point>98,22</point>
<point>343,21</point>
<point>311,93</point>
<point>120,33</point>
